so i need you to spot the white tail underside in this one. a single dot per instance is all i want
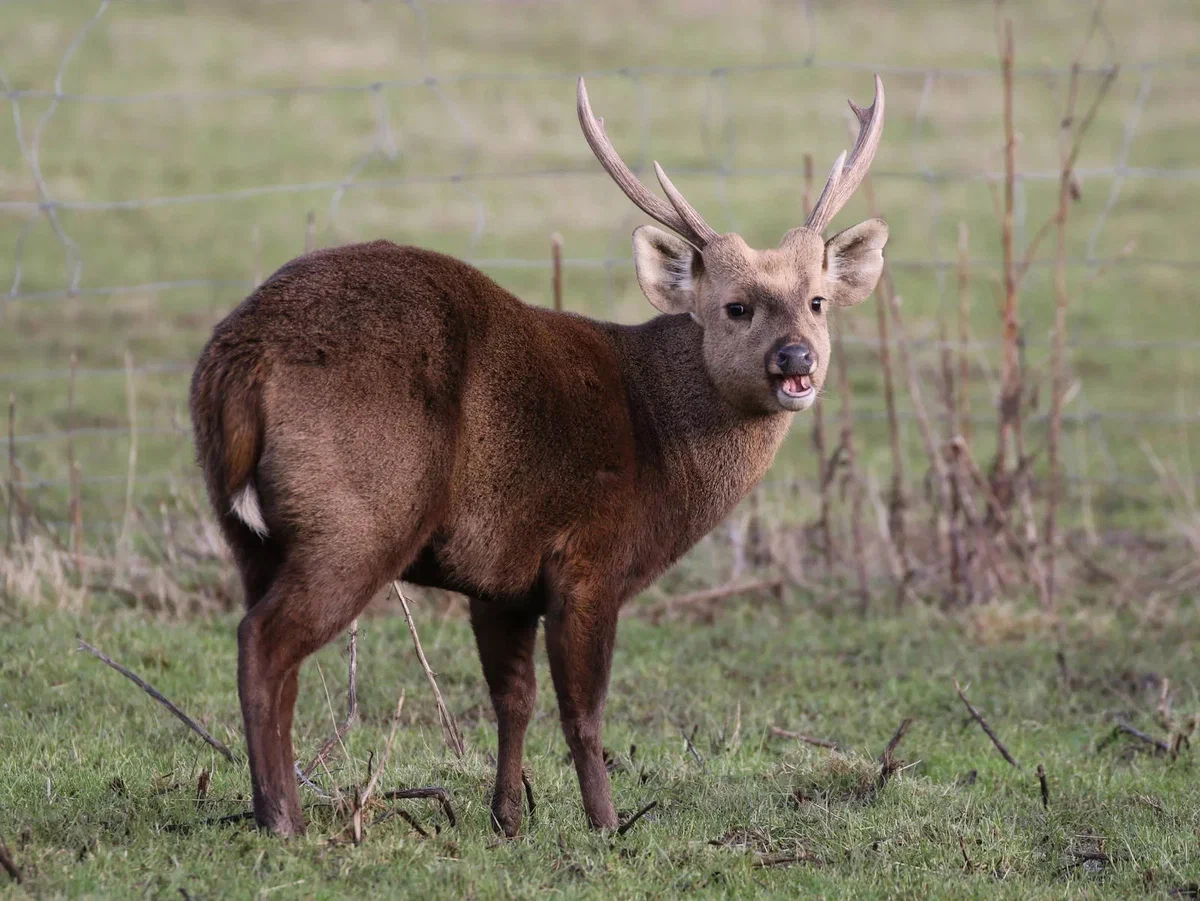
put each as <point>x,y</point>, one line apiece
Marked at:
<point>245,507</point>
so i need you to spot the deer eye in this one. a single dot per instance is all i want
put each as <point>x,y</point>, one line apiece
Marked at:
<point>736,310</point>
<point>816,303</point>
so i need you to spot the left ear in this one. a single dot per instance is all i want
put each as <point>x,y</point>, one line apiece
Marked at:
<point>854,262</point>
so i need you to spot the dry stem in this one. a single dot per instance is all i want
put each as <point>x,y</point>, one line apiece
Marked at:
<point>885,298</point>
<point>351,705</point>
<point>964,305</point>
<point>986,728</point>
<point>1070,152</point>
<point>11,514</point>
<point>76,504</point>
<point>123,543</point>
<point>556,276</point>
<point>807,739</point>
<point>1010,371</point>
<point>161,698</point>
<point>856,485</point>
<point>361,799</point>
<point>453,738</point>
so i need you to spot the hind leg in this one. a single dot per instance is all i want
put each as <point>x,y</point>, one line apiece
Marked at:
<point>307,606</point>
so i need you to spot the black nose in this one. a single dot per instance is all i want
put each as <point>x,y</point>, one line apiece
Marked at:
<point>796,359</point>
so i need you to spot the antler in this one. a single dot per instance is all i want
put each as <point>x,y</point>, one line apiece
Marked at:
<point>848,173</point>
<point>679,215</point>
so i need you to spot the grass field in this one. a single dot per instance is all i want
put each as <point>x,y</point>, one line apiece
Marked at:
<point>486,162</point>
<point>192,142</point>
<point>98,785</point>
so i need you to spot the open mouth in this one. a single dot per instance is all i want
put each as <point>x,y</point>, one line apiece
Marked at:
<point>795,392</point>
<point>796,385</point>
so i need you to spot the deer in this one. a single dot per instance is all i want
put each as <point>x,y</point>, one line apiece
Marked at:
<point>373,412</point>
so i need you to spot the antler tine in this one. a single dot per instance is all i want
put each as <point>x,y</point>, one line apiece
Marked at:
<point>849,172</point>
<point>679,216</point>
<point>686,211</point>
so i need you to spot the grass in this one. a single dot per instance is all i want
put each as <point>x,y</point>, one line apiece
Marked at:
<point>753,123</point>
<point>98,784</point>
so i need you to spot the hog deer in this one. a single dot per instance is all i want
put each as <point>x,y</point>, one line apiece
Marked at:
<point>373,412</point>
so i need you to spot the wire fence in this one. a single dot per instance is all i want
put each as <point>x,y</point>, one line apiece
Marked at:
<point>467,170</point>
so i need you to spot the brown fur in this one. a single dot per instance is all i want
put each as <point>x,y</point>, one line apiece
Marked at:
<point>393,413</point>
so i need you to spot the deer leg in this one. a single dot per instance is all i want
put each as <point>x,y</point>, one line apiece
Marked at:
<point>579,641</point>
<point>506,642</point>
<point>287,712</point>
<point>302,611</point>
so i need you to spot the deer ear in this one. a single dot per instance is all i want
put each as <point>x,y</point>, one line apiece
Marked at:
<point>667,269</point>
<point>854,262</point>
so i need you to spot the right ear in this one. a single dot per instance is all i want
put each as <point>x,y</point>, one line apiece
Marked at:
<point>667,269</point>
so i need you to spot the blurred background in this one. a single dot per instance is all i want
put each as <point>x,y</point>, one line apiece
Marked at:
<point>159,157</point>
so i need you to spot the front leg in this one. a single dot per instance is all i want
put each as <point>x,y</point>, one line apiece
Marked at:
<point>580,631</point>
<point>506,642</point>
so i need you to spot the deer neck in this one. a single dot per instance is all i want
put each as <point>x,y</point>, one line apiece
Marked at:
<point>702,455</point>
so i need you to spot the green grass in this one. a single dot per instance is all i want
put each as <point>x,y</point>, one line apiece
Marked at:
<point>98,784</point>
<point>757,123</point>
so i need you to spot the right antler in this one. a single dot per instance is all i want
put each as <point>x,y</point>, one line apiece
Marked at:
<point>848,174</point>
<point>679,215</point>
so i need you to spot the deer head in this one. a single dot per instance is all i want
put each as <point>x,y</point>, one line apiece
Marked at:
<point>764,312</point>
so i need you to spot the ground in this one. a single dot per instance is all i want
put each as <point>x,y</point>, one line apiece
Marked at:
<point>98,785</point>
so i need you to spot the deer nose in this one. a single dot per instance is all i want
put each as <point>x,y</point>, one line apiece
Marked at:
<point>796,359</point>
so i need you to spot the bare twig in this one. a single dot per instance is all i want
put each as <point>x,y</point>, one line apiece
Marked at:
<point>885,301</point>
<point>202,784</point>
<point>453,738</point>
<point>962,846</point>
<point>887,760</point>
<point>1000,518</point>
<point>1070,152</point>
<point>351,705</point>
<point>978,717</point>
<point>691,747</point>
<point>438,793</point>
<point>1010,378</point>
<point>407,817</point>
<point>11,514</point>
<point>963,426</point>
<point>786,858</point>
<point>896,738</point>
<point>162,699</point>
<point>556,277</point>
<point>123,543</point>
<point>807,739</point>
<point>361,800</point>
<point>851,463</point>
<point>1041,774</point>
<point>932,449</point>
<point>1158,743</point>
<point>632,821</point>
<point>7,862</point>
<point>76,504</point>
